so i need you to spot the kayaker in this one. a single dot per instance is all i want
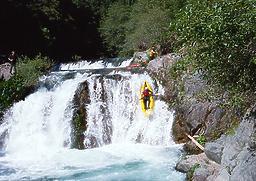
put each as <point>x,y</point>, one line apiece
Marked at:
<point>146,93</point>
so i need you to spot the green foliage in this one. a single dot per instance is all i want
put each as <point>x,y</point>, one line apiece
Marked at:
<point>182,66</point>
<point>113,26</point>
<point>235,100</point>
<point>148,26</point>
<point>232,129</point>
<point>220,36</point>
<point>201,139</point>
<point>192,171</point>
<point>50,9</point>
<point>29,70</point>
<point>11,91</point>
<point>144,23</point>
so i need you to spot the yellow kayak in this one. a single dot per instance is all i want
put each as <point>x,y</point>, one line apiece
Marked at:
<point>150,107</point>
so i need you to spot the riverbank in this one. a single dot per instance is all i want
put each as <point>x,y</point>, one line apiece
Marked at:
<point>227,134</point>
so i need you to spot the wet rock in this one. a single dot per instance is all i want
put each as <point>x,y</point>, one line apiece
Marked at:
<point>79,123</point>
<point>178,130</point>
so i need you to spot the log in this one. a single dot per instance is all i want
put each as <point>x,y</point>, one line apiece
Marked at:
<point>194,141</point>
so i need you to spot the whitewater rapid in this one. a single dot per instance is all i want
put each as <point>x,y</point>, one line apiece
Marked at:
<point>37,132</point>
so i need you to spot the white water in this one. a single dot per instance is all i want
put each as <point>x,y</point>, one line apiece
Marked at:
<point>38,142</point>
<point>92,65</point>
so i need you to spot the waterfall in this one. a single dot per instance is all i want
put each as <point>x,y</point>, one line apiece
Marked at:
<point>122,115</point>
<point>37,131</point>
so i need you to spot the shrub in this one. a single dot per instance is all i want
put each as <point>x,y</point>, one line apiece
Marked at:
<point>26,77</point>
<point>220,37</point>
<point>29,70</point>
<point>113,26</point>
<point>128,27</point>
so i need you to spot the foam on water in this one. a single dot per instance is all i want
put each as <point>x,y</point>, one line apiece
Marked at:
<point>131,146</point>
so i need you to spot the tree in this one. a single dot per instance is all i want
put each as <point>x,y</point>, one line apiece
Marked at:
<point>220,36</point>
<point>144,23</point>
<point>113,26</point>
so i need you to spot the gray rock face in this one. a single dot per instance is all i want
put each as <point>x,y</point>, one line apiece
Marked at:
<point>236,152</point>
<point>214,150</point>
<point>205,168</point>
<point>195,115</point>
<point>139,57</point>
<point>246,167</point>
<point>194,84</point>
<point>235,144</point>
<point>189,161</point>
<point>163,62</point>
<point>201,174</point>
<point>5,71</point>
<point>219,175</point>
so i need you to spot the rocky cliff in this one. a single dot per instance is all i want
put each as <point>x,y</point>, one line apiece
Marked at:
<point>230,149</point>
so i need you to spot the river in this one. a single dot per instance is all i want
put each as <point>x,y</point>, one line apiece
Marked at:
<point>36,132</point>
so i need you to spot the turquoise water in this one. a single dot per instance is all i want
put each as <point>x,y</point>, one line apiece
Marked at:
<point>113,162</point>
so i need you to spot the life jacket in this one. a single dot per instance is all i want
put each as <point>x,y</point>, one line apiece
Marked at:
<point>151,54</point>
<point>145,92</point>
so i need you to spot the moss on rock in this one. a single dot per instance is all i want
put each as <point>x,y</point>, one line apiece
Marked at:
<point>79,123</point>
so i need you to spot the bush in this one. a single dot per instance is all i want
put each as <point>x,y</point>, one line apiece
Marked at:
<point>148,26</point>
<point>10,91</point>
<point>128,27</point>
<point>26,77</point>
<point>220,37</point>
<point>113,26</point>
<point>29,70</point>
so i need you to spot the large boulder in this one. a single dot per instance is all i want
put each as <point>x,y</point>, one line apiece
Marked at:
<point>5,71</point>
<point>214,150</point>
<point>139,57</point>
<point>198,167</point>
<point>162,62</point>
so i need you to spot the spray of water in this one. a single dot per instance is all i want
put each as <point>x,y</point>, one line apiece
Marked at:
<point>37,142</point>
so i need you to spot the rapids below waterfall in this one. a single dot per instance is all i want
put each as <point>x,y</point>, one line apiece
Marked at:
<point>36,132</point>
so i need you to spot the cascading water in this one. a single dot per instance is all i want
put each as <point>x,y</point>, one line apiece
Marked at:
<point>130,146</point>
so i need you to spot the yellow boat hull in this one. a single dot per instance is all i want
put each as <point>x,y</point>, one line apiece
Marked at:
<point>151,99</point>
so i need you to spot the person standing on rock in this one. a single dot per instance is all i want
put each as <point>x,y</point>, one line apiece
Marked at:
<point>151,54</point>
<point>12,59</point>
